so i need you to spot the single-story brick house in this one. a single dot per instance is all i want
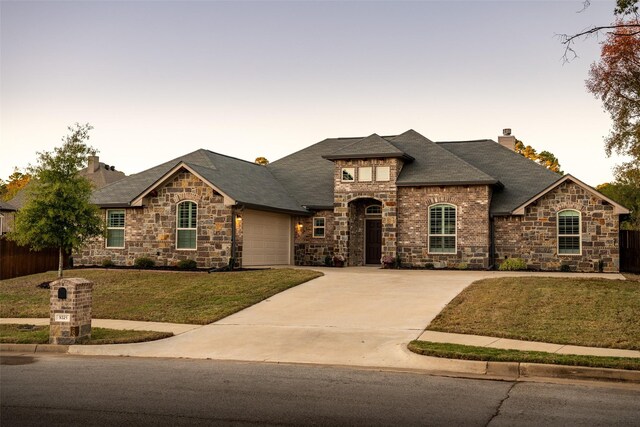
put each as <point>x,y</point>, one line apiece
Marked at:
<point>443,203</point>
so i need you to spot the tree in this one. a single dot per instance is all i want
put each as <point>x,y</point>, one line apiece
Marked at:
<point>544,158</point>
<point>58,212</point>
<point>626,191</point>
<point>16,182</point>
<point>262,161</point>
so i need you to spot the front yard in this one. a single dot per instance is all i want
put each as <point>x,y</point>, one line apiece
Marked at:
<point>177,297</point>
<point>590,312</point>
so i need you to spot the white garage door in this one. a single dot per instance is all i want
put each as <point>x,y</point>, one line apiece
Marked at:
<point>266,238</point>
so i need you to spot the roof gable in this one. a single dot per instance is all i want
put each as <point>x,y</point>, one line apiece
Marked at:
<point>373,146</point>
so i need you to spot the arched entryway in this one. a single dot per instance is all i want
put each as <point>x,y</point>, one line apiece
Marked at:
<point>365,231</point>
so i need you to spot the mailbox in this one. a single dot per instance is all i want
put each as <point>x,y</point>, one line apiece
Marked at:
<point>62,293</point>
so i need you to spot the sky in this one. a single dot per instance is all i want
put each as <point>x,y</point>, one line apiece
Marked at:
<point>159,79</point>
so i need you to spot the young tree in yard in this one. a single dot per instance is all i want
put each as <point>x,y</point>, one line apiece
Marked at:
<point>58,212</point>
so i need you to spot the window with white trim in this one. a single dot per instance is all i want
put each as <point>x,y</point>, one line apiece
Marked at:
<point>373,210</point>
<point>187,225</point>
<point>569,242</point>
<point>318,227</point>
<point>442,229</point>
<point>348,174</point>
<point>364,174</point>
<point>383,173</point>
<point>115,228</point>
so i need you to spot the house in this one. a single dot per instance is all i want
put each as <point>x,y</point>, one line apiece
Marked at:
<point>442,203</point>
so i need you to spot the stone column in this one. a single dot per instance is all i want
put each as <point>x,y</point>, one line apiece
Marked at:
<point>70,311</point>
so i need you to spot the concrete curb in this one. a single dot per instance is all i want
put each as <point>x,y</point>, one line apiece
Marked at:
<point>35,348</point>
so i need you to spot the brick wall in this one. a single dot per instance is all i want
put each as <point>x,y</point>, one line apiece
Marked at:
<point>533,236</point>
<point>472,218</point>
<point>151,230</point>
<point>77,306</point>
<point>311,250</point>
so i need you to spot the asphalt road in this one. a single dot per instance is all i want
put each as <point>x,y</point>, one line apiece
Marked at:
<point>68,390</point>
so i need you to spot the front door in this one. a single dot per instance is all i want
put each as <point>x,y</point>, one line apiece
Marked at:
<point>373,241</point>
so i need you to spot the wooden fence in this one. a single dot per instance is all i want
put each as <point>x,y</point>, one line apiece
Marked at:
<point>630,251</point>
<point>18,260</point>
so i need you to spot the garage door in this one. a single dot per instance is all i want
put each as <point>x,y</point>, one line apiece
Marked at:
<point>266,238</point>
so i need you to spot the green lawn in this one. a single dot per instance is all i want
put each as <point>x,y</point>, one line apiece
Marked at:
<point>590,311</point>
<point>467,352</point>
<point>28,334</point>
<point>177,297</point>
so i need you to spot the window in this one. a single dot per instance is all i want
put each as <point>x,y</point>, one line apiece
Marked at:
<point>115,228</point>
<point>442,229</point>
<point>318,227</point>
<point>187,225</point>
<point>569,232</point>
<point>373,210</point>
<point>348,174</point>
<point>383,173</point>
<point>364,174</point>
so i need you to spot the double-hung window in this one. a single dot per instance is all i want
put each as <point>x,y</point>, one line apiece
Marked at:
<point>318,226</point>
<point>569,232</point>
<point>115,228</point>
<point>442,229</point>
<point>187,225</point>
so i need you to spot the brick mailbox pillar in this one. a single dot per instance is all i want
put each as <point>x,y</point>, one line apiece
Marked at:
<point>70,304</point>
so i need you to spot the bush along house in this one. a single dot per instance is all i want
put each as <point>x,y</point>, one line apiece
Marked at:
<point>403,198</point>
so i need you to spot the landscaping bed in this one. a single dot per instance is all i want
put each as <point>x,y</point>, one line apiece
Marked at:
<point>580,311</point>
<point>29,334</point>
<point>176,297</point>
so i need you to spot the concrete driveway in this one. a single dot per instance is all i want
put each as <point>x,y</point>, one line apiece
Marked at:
<point>358,316</point>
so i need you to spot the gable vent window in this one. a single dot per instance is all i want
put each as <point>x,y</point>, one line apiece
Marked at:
<point>348,174</point>
<point>442,229</point>
<point>569,232</point>
<point>318,227</point>
<point>115,228</point>
<point>187,225</point>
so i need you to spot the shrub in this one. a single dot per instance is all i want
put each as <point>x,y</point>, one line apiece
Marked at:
<point>328,261</point>
<point>187,264</point>
<point>565,268</point>
<point>513,264</point>
<point>106,263</point>
<point>463,266</point>
<point>144,262</point>
<point>429,266</point>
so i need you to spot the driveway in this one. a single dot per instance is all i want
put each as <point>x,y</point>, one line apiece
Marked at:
<point>359,316</point>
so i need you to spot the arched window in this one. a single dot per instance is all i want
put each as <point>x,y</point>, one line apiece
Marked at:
<point>569,241</point>
<point>442,229</point>
<point>187,225</point>
<point>373,210</point>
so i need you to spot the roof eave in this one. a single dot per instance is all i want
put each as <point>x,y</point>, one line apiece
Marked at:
<point>403,156</point>
<point>273,208</point>
<point>449,183</point>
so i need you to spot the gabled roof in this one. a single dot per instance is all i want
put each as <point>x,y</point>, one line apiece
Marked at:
<point>4,206</point>
<point>617,208</point>
<point>372,147</point>
<point>241,181</point>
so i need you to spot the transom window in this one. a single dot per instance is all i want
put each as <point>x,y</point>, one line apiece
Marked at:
<point>318,227</point>
<point>115,228</point>
<point>442,229</point>
<point>348,174</point>
<point>187,214</point>
<point>569,232</point>
<point>373,210</point>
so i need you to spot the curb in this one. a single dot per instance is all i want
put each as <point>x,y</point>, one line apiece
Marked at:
<point>35,348</point>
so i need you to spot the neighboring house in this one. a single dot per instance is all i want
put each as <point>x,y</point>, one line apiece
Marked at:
<point>6,216</point>
<point>442,203</point>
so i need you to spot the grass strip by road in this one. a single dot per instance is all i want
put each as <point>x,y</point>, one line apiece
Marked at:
<point>29,334</point>
<point>157,296</point>
<point>590,312</point>
<point>487,354</point>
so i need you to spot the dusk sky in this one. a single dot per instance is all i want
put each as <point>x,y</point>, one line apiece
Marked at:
<point>161,79</point>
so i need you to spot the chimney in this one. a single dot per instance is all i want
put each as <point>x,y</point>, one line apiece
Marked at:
<point>93,164</point>
<point>507,140</point>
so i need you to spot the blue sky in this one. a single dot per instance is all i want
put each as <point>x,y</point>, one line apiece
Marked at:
<point>248,79</point>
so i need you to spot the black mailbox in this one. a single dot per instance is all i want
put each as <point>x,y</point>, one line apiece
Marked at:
<point>62,293</point>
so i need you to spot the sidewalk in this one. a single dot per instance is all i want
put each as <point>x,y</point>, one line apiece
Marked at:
<point>175,328</point>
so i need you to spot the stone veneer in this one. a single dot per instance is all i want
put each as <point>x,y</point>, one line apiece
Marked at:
<point>311,250</point>
<point>472,225</point>
<point>150,231</point>
<point>533,236</point>
<point>347,192</point>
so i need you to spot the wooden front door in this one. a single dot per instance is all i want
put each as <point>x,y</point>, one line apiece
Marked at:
<point>373,241</point>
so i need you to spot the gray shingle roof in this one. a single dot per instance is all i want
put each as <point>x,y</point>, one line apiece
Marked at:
<point>522,178</point>
<point>373,146</point>
<point>244,181</point>
<point>4,206</point>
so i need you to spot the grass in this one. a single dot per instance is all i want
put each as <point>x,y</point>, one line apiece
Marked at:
<point>467,352</point>
<point>197,298</point>
<point>591,312</point>
<point>28,334</point>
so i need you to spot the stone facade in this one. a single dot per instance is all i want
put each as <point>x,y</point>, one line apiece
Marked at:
<point>311,250</point>
<point>533,237</point>
<point>472,225</point>
<point>74,311</point>
<point>150,231</point>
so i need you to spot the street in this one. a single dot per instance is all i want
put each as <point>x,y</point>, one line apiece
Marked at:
<point>50,389</point>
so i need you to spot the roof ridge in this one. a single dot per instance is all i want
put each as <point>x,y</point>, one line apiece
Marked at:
<point>468,140</point>
<point>227,156</point>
